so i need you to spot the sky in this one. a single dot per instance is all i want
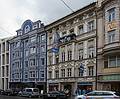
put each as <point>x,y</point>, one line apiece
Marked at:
<point>14,12</point>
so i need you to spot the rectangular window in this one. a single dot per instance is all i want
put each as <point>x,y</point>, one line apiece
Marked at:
<point>32,50</point>
<point>80,72</point>
<point>43,48</point>
<point>42,61</point>
<point>80,29</point>
<point>80,54</point>
<point>43,37</point>
<point>106,63</point>
<point>42,74</point>
<point>62,72</point>
<point>50,74</point>
<point>26,63</point>
<point>26,42</point>
<point>32,74</point>
<point>26,52</point>
<point>69,55</point>
<point>32,62</point>
<point>33,39</point>
<point>57,59</point>
<point>112,61</point>
<point>91,52</point>
<point>111,36</point>
<point>90,71</point>
<point>63,56</point>
<point>69,71</point>
<point>57,74</point>
<point>90,26</point>
<point>50,40</point>
<point>111,14</point>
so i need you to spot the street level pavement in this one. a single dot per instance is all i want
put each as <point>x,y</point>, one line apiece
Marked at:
<point>15,97</point>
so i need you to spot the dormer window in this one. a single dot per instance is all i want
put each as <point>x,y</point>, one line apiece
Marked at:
<point>27,28</point>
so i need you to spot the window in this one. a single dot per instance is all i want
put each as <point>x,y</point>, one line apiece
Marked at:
<point>17,54</point>
<point>27,28</point>
<point>69,71</point>
<point>43,48</point>
<point>26,42</point>
<point>57,74</point>
<point>32,74</point>
<point>112,61</point>
<point>43,37</point>
<point>33,39</point>
<point>50,40</point>
<point>26,52</point>
<point>80,54</point>
<point>111,36</point>
<point>80,72</point>
<point>69,55</point>
<point>62,72</point>
<point>32,50</point>
<point>57,59</point>
<point>50,74</point>
<point>90,26</point>
<point>7,71</point>
<point>32,62</point>
<point>17,44</point>
<point>63,56</point>
<point>42,61</point>
<point>80,29</point>
<point>90,71</point>
<point>26,63</point>
<point>106,63</point>
<point>91,51</point>
<point>111,14</point>
<point>42,74</point>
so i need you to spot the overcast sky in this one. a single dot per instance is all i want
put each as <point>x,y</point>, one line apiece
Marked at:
<point>14,12</point>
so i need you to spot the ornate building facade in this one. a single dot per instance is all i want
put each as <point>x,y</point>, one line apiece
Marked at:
<point>109,45</point>
<point>71,51</point>
<point>28,56</point>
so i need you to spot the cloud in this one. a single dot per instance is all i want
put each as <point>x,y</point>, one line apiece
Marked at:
<point>15,12</point>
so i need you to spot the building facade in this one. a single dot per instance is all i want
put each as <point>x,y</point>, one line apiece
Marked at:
<point>71,51</point>
<point>28,56</point>
<point>109,45</point>
<point>4,63</point>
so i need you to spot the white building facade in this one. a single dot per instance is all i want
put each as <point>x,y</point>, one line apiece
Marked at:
<point>4,63</point>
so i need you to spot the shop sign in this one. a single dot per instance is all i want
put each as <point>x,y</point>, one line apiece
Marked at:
<point>85,83</point>
<point>111,77</point>
<point>111,26</point>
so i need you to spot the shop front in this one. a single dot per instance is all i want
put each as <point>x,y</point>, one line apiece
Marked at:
<point>85,87</point>
<point>53,86</point>
<point>110,82</point>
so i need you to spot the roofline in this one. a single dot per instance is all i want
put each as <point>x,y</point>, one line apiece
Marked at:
<point>88,6</point>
